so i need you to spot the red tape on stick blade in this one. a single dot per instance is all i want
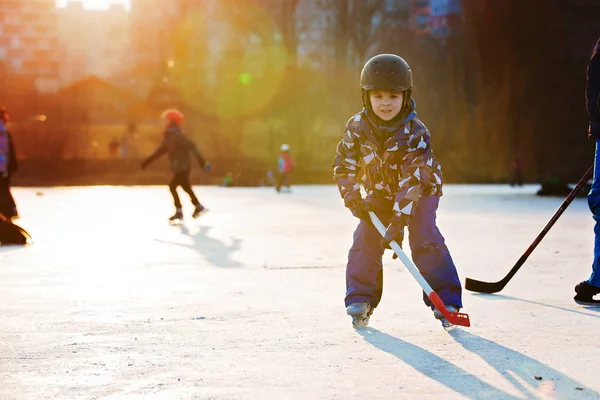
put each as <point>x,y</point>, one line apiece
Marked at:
<point>455,318</point>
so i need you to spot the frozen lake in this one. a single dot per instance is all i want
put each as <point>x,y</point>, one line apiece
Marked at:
<point>111,302</point>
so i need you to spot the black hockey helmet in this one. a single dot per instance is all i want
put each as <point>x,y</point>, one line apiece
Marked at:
<point>386,72</point>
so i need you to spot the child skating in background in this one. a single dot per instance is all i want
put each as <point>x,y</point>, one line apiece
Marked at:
<point>391,147</point>
<point>178,148</point>
<point>286,166</point>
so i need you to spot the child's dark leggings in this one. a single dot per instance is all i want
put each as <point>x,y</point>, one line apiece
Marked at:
<point>182,179</point>
<point>283,180</point>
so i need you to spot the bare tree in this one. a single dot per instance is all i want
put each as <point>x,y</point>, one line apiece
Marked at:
<point>355,24</point>
<point>285,17</point>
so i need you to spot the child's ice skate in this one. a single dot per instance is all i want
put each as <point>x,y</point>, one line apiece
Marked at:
<point>439,316</point>
<point>176,218</point>
<point>199,210</point>
<point>585,294</point>
<point>360,313</point>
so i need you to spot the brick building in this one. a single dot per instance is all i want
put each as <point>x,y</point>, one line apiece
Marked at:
<point>93,42</point>
<point>29,43</point>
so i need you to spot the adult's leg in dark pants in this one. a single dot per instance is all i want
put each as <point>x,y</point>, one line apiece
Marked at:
<point>594,204</point>
<point>8,207</point>
<point>431,255</point>
<point>185,185</point>
<point>364,271</point>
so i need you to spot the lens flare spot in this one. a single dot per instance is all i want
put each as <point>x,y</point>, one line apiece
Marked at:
<point>245,79</point>
<point>225,75</point>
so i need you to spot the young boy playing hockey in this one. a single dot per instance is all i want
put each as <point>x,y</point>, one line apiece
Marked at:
<point>389,145</point>
<point>587,289</point>
<point>178,146</point>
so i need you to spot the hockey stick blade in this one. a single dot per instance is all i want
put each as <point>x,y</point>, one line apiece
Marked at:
<point>474,285</point>
<point>454,318</point>
<point>494,287</point>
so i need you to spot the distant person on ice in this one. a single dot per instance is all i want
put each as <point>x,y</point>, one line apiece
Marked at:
<point>388,144</point>
<point>285,162</point>
<point>178,147</point>
<point>587,289</point>
<point>517,172</point>
<point>8,166</point>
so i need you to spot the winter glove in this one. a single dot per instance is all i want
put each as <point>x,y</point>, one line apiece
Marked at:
<point>395,232</point>
<point>360,209</point>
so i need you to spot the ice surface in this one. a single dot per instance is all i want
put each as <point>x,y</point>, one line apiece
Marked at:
<point>246,302</point>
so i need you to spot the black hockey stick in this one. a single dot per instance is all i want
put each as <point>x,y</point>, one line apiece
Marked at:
<point>493,287</point>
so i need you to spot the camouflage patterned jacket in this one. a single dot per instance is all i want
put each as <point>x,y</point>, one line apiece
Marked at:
<point>399,173</point>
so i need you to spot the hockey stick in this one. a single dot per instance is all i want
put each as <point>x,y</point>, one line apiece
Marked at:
<point>493,287</point>
<point>455,318</point>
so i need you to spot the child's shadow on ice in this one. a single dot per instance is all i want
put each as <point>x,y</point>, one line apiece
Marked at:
<point>507,362</point>
<point>216,252</point>
<point>433,366</point>
<point>511,364</point>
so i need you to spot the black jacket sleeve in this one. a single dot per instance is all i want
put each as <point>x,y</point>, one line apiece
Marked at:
<point>160,150</point>
<point>592,94</point>
<point>191,145</point>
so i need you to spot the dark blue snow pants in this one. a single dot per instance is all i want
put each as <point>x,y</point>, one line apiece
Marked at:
<point>594,203</point>
<point>364,272</point>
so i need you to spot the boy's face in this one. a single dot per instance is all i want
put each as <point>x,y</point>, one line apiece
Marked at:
<point>386,104</point>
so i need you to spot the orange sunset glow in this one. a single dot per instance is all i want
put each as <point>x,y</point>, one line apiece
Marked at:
<point>94,4</point>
